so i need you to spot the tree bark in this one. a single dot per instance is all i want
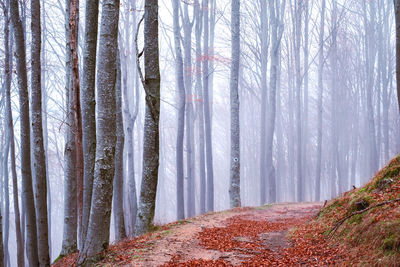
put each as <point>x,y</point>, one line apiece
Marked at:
<point>207,115</point>
<point>10,126</point>
<point>397,18</point>
<point>27,195</point>
<point>97,238</point>
<point>151,84</point>
<point>69,244</point>
<point>181,113</point>
<point>234,189</point>
<point>264,100</point>
<point>190,147</point>
<point>39,159</point>
<point>200,109</point>
<point>88,111</point>
<point>118,195</point>
<point>320,99</point>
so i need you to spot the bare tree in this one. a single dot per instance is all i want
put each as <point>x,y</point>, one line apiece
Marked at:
<point>118,196</point>
<point>27,196</point>
<point>39,160</point>
<point>207,111</point>
<point>320,97</point>
<point>88,111</point>
<point>189,114</point>
<point>181,112</point>
<point>97,238</point>
<point>69,244</point>
<point>10,126</point>
<point>397,16</point>
<point>151,84</point>
<point>200,109</point>
<point>234,190</point>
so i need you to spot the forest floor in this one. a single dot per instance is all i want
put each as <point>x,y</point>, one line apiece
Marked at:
<point>260,236</point>
<point>360,227</point>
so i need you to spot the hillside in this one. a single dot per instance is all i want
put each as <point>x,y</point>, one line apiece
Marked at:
<point>366,221</point>
<point>361,227</point>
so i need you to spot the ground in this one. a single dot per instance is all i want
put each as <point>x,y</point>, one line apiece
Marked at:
<point>262,236</point>
<point>360,227</point>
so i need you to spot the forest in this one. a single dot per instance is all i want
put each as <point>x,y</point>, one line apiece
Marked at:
<point>118,117</point>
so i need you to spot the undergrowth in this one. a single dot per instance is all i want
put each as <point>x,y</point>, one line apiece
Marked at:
<point>371,238</point>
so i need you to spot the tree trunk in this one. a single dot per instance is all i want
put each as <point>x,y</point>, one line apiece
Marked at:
<point>207,116</point>
<point>10,126</point>
<point>264,100</point>
<point>118,201</point>
<point>69,244</point>
<point>27,196</point>
<point>151,84</point>
<point>181,113</point>
<point>190,147</point>
<point>234,189</point>
<point>297,40</point>
<point>200,109</point>
<point>98,234</point>
<point>320,96</point>
<point>88,111</point>
<point>39,159</point>
<point>397,18</point>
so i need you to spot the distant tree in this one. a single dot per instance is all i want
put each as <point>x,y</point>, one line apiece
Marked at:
<point>234,190</point>
<point>207,109</point>
<point>320,96</point>
<point>151,84</point>
<point>8,66</point>
<point>200,104</point>
<point>181,112</point>
<point>97,238</point>
<point>189,115</point>
<point>25,138</point>
<point>397,17</point>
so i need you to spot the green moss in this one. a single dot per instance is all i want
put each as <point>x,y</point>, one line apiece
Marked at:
<point>356,219</point>
<point>391,243</point>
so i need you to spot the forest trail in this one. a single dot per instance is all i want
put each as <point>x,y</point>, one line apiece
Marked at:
<point>241,236</point>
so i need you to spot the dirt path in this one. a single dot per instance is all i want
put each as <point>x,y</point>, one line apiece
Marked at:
<point>235,237</point>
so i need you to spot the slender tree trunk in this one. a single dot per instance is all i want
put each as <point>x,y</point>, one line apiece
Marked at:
<point>69,243</point>
<point>27,196</point>
<point>181,113</point>
<point>151,84</point>
<point>39,159</point>
<point>297,40</point>
<point>190,148</point>
<point>305,120</point>
<point>7,75</point>
<point>370,58</point>
<point>98,234</point>
<point>264,100</point>
<point>320,101</point>
<point>207,115</point>
<point>397,18</point>
<point>88,111</point>
<point>334,139</point>
<point>45,98</point>
<point>118,201</point>
<point>76,105</point>
<point>6,220</point>
<point>234,189</point>
<point>10,126</point>
<point>200,108</point>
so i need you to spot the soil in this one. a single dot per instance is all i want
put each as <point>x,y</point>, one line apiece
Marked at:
<point>229,238</point>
